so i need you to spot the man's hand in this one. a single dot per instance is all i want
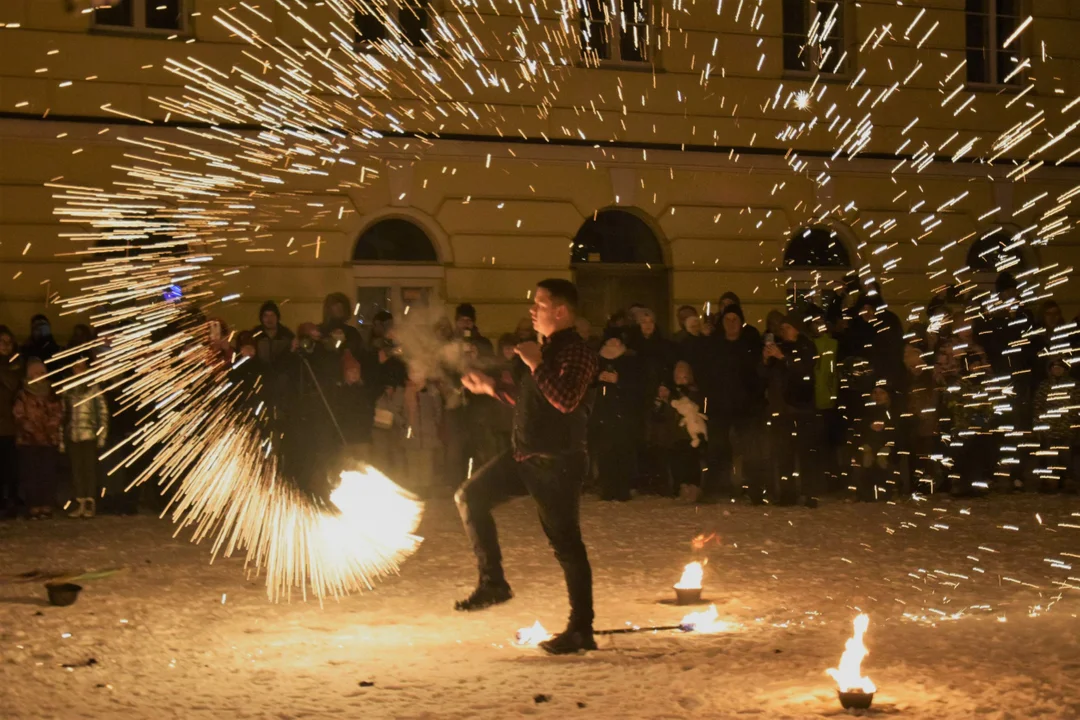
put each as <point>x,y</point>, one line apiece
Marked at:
<point>529,352</point>
<point>478,383</point>
<point>609,376</point>
<point>772,350</point>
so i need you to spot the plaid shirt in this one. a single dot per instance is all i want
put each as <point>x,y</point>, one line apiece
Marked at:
<point>564,375</point>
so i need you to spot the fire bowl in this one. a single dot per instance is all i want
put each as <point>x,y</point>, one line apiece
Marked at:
<point>62,594</point>
<point>855,699</point>
<point>687,596</point>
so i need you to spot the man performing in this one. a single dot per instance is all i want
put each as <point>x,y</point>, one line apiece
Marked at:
<point>547,459</point>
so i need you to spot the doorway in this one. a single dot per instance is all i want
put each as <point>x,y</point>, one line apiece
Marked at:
<point>617,262</point>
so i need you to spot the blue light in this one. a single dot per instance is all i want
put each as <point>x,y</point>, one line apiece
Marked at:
<point>173,293</point>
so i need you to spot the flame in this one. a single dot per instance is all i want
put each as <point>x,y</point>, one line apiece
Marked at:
<point>849,677</point>
<point>532,636</point>
<point>706,621</point>
<point>691,576</point>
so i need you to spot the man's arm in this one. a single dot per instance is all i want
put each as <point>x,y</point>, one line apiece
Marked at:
<point>565,380</point>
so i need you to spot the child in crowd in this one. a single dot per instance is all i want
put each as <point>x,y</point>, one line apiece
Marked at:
<point>39,414</point>
<point>684,458</point>
<point>1057,414</point>
<point>86,428</point>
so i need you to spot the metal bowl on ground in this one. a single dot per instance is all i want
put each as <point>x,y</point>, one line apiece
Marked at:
<point>63,594</point>
<point>855,699</point>
<point>687,596</point>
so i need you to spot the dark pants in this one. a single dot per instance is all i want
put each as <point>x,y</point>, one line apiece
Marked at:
<point>9,475</point>
<point>84,461</point>
<point>555,485</point>
<point>730,438</point>
<point>684,465</point>
<point>616,460</point>
<point>793,437</point>
<point>37,475</point>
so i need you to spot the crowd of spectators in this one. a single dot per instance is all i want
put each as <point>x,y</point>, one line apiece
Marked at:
<point>839,398</point>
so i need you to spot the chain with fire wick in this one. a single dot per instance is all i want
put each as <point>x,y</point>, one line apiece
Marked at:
<point>854,690</point>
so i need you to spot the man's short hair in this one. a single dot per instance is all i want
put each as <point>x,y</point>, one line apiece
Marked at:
<point>465,310</point>
<point>563,292</point>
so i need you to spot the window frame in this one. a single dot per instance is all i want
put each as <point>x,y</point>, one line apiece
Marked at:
<point>846,26</point>
<point>993,82</point>
<point>615,35</point>
<point>396,6</point>
<point>138,22</point>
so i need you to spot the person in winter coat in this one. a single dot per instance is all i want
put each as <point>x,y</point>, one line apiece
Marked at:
<point>273,341</point>
<point>735,407</point>
<point>41,345</point>
<point>11,378</point>
<point>876,333</point>
<point>86,429</point>
<point>1057,420</point>
<point>617,415</point>
<point>39,414</point>
<point>788,366</point>
<point>337,326</point>
<point>657,355</point>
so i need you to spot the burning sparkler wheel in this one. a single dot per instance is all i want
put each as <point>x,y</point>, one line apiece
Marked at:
<point>855,699</point>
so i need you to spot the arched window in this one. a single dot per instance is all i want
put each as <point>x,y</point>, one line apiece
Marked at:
<point>816,247</point>
<point>395,267</point>
<point>395,240</point>
<point>616,236</point>
<point>996,251</point>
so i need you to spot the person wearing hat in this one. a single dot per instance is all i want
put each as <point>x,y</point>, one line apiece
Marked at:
<point>41,345</point>
<point>273,341</point>
<point>788,367</point>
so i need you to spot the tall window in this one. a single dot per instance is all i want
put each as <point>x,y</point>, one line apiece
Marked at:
<point>989,24</point>
<point>411,17</point>
<point>615,30</point>
<point>814,36</point>
<point>148,15</point>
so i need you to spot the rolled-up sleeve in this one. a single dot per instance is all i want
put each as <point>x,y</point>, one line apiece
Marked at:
<point>565,377</point>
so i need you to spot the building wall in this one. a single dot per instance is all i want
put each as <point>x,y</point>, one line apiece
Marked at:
<point>502,214</point>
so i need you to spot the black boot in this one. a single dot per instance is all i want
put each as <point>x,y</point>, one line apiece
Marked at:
<point>570,641</point>
<point>485,595</point>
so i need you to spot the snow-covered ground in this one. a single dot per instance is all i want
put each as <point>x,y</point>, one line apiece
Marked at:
<point>177,637</point>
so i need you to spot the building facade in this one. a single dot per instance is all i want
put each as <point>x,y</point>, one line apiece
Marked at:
<point>677,160</point>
